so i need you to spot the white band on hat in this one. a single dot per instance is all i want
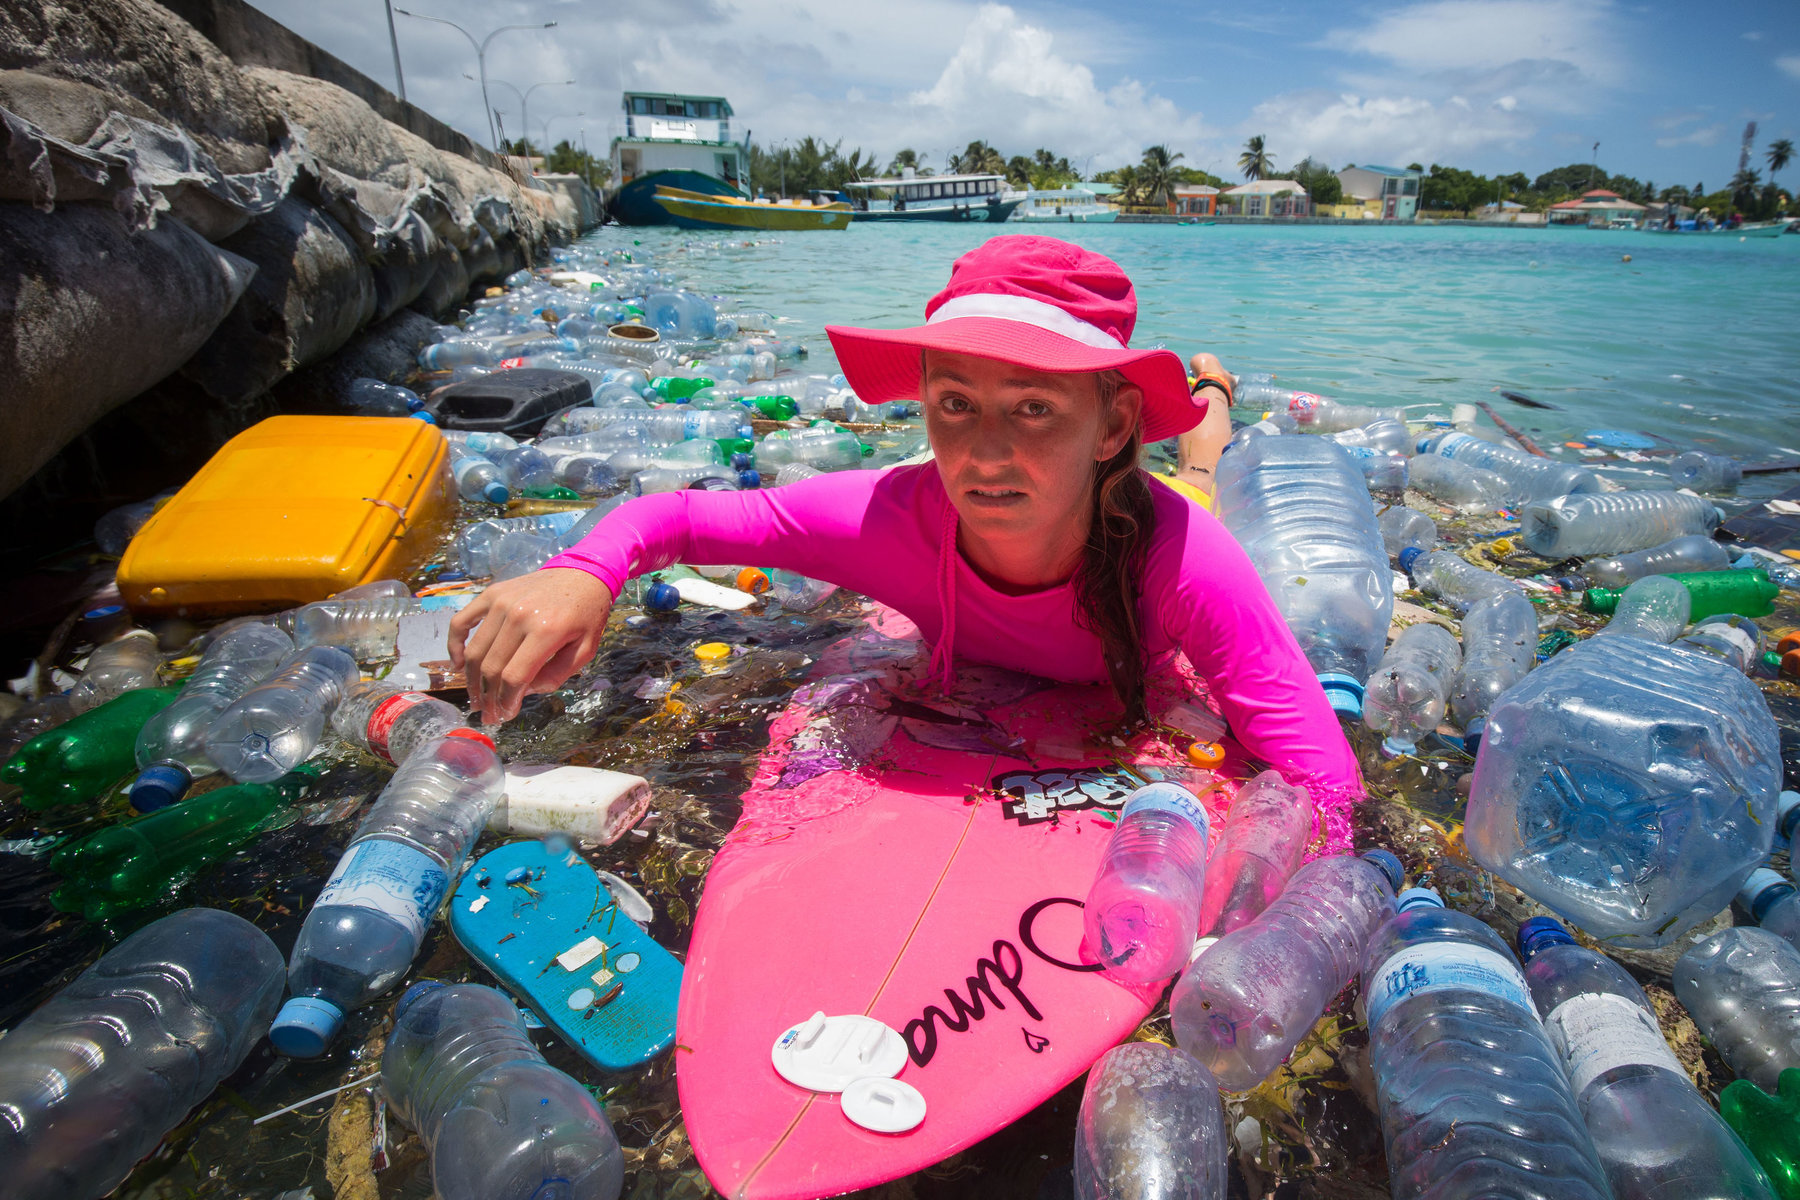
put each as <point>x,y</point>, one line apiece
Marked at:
<point>1024,309</point>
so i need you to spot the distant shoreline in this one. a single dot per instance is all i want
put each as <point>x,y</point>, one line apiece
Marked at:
<point>1466,222</point>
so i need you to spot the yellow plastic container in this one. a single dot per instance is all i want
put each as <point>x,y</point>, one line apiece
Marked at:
<point>292,510</point>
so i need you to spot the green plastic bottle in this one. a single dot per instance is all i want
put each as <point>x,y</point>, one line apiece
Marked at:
<point>679,387</point>
<point>1770,1126</point>
<point>83,757</point>
<point>731,446</point>
<point>1743,593</point>
<point>775,408</point>
<point>139,862</point>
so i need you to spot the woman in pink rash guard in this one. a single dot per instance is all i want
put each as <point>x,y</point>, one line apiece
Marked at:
<point>1033,541</point>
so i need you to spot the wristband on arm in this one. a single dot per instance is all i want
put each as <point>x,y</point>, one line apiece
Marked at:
<point>1222,383</point>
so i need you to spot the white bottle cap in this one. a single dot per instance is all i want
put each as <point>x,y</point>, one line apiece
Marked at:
<point>824,1054</point>
<point>1201,947</point>
<point>884,1105</point>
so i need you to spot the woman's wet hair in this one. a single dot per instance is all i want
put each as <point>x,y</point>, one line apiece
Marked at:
<point>1109,580</point>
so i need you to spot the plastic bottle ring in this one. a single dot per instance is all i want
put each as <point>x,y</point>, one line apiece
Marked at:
<point>1206,754</point>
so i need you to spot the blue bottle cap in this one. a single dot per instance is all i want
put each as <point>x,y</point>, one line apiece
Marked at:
<point>1408,557</point>
<point>159,786</point>
<point>1761,891</point>
<point>1472,734</point>
<point>419,414</point>
<point>1392,749</point>
<point>1540,933</point>
<point>1413,898</point>
<point>1345,692</point>
<point>1389,862</point>
<point>662,597</point>
<point>305,1026</point>
<point>416,403</point>
<point>749,479</point>
<point>496,493</point>
<point>412,994</point>
<point>742,462</point>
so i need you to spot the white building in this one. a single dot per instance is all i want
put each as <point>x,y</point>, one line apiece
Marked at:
<point>1392,191</point>
<point>1266,198</point>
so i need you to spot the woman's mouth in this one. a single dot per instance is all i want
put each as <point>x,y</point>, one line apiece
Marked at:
<point>995,495</point>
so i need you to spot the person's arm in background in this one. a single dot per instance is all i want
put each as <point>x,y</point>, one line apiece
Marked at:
<point>1197,451</point>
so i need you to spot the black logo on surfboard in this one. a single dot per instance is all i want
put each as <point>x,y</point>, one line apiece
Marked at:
<point>1033,797</point>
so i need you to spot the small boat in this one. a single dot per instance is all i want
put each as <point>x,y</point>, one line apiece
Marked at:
<point>673,141</point>
<point>932,198</point>
<point>1076,205</point>
<point>694,210</point>
<point>1764,228</point>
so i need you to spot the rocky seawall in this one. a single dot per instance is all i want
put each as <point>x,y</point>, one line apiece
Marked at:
<point>205,219</point>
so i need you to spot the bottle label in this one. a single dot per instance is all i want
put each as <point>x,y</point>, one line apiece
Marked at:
<point>1302,402</point>
<point>383,719</point>
<point>390,877</point>
<point>1596,1032</point>
<point>1169,798</point>
<point>1446,966</point>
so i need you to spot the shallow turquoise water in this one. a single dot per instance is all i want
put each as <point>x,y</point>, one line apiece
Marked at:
<point>1696,340</point>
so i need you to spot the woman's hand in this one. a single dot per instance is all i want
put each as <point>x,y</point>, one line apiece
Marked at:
<point>531,634</point>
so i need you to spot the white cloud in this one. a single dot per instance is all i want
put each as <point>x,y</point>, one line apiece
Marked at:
<point>1485,35</point>
<point>1384,129</point>
<point>1752,36</point>
<point>1790,65</point>
<point>1707,135</point>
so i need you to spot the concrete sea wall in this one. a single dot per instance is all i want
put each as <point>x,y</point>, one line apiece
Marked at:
<point>205,219</point>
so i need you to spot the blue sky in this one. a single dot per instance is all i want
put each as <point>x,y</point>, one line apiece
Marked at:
<point>1491,85</point>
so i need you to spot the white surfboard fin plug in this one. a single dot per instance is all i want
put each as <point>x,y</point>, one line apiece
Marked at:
<point>884,1105</point>
<point>827,1054</point>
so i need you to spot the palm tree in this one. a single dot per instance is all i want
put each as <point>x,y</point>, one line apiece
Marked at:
<point>1130,188</point>
<point>1254,162</point>
<point>907,158</point>
<point>1781,153</point>
<point>978,158</point>
<point>1156,177</point>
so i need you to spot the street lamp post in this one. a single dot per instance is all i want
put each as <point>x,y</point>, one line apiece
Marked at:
<point>480,57</point>
<point>525,99</point>
<point>394,41</point>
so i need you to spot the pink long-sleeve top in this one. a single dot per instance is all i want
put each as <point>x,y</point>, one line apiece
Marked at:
<point>891,536</point>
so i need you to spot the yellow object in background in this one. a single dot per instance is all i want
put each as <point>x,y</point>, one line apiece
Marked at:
<point>1188,490</point>
<point>292,510</point>
<point>712,652</point>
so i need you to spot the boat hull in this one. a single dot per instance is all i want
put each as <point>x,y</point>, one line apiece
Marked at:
<point>990,213</point>
<point>1101,218</point>
<point>635,202</point>
<point>691,210</point>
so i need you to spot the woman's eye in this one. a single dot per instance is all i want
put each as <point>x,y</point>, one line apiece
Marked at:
<point>953,403</point>
<point>1036,408</point>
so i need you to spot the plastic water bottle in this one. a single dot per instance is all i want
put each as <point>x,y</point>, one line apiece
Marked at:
<point>794,473</point>
<point>525,468</point>
<point>1463,487</point>
<point>373,398</point>
<point>40,716</point>
<point>1474,1101</point>
<point>391,722</point>
<point>1691,552</point>
<point>364,628</point>
<point>1383,474</point>
<point>1454,579</point>
<point>1151,1127</point>
<point>520,554</point>
<point>1499,644</point>
<point>680,314</point>
<point>1529,477</point>
<point>828,449</point>
<point>81,758</point>
<point>1655,609</point>
<point>499,1122</point>
<point>92,1080</point>
<point>475,544</point>
<point>1705,472</point>
<point>1731,639</point>
<point>1260,844</point>
<point>1772,903</point>
<point>1769,1125</point>
<point>1386,436</point>
<point>1246,1002</point>
<point>796,592</point>
<point>477,478</point>
<point>1748,593</point>
<point>1656,1135</point>
<point>477,441</point>
<point>1143,911</point>
<point>1628,786</point>
<point>273,727</point>
<point>116,668</point>
<point>675,479</point>
<point>370,919</point>
<point>1583,526</point>
<point>1404,529</point>
<point>1742,987</point>
<point>171,747</point>
<point>1316,414</point>
<point>1299,508</point>
<point>1406,696</point>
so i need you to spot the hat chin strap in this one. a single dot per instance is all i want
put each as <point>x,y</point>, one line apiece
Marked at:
<point>1026,311</point>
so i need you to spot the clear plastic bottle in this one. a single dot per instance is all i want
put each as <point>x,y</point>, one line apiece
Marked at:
<point>1404,529</point>
<point>171,747</point>
<point>1655,609</point>
<point>1463,487</point>
<point>1316,414</point>
<point>1260,844</point>
<point>1742,987</point>
<point>1474,1101</point>
<point>675,479</point>
<point>477,441</point>
<point>369,921</point>
<point>273,727</point>
<point>1143,910</point>
<point>1772,903</point>
<point>373,398</point>
<point>1246,1002</point>
<point>1529,477</point>
<point>391,722</point>
<point>1406,696</point>
<point>796,592</point>
<point>1656,1135</point>
<point>91,1081</point>
<point>1151,1127</point>
<point>364,628</point>
<point>1384,475</point>
<point>1454,579</point>
<point>794,473</point>
<point>525,468</point>
<point>1690,552</point>
<point>120,666</point>
<point>1628,786</point>
<point>1705,472</point>
<point>477,478</point>
<point>1612,523</point>
<point>1272,424</point>
<point>825,447</point>
<point>474,545</point>
<point>499,1122</point>
<point>1299,508</point>
<point>1385,436</point>
<point>520,554</point>
<point>1499,642</point>
<point>1731,639</point>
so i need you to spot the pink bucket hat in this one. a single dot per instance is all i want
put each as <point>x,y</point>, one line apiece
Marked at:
<point>1035,301</point>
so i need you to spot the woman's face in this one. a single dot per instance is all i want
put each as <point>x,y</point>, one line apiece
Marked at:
<point>1016,448</point>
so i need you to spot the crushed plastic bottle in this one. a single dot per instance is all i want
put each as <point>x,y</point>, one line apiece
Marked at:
<point>1299,508</point>
<point>1246,1002</point>
<point>1463,487</point>
<point>118,667</point>
<point>1385,436</point>
<point>1259,846</point>
<point>273,727</point>
<point>361,628</point>
<point>171,747</point>
<point>79,759</point>
<point>1614,522</point>
<point>392,722</point>
<point>1143,910</point>
<point>1454,579</point>
<point>1690,552</point>
<point>1499,643</point>
<point>369,920</point>
<point>499,1122</point>
<point>92,1080</point>
<point>1406,696</point>
<point>1404,529</point>
<point>1151,1127</point>
<point>1705,472</point>
<point>675,479</point>
<point>1473,1097</point>
<point>1528,477</point>
<point>1742,987</point>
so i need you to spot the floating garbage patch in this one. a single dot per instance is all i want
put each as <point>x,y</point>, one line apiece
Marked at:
<point>419,955</point>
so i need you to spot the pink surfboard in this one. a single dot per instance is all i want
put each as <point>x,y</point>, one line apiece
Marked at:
<point>920,859</point>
